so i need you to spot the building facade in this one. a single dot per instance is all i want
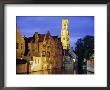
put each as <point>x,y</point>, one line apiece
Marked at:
<point>44,51</point>
<point>20,45</point>
<point>22,65</point>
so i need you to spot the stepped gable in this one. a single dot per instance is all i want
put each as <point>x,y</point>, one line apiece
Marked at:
<point>47,35</point>
<point>34,36</point>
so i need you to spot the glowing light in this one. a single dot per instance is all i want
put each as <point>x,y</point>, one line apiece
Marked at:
<point>74,60</point>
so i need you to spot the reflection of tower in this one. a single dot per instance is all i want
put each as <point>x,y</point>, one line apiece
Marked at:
<point>65,35</point>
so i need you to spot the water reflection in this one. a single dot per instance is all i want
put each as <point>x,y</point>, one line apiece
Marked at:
<point>54,71</point>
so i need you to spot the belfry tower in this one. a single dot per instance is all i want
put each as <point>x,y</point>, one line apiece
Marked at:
<point>65,35</point>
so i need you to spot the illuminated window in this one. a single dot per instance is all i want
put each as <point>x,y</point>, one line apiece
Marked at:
<point>48,47</point>
<point>38,60</point>
<point>43,53</point>
<point>62,33</point>
<point>35,61</point>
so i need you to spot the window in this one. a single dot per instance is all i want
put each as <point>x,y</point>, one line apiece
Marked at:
<point>17,45</point>
<point>35,61</point>
<point>44,46</point>
<point>48,47</point>
<point>38,60</point>
<point>21,46</point>
<point>48,54</point>
<point>67,39</point>
<point>62,33</point>
<point>43,53</point>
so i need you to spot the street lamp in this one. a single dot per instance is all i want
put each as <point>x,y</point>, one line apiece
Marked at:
<point>74,60</point>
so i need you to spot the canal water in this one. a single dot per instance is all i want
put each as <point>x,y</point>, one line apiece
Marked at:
<point>54,71</point>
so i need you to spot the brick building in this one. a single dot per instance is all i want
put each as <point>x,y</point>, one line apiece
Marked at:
<point>20,45</point>
<point>44,51</point>
<point>22,66</point>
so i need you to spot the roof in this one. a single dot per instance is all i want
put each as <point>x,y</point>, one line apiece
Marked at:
<point>41,37</point>
<point>29,39</point>
<point>55,37</point>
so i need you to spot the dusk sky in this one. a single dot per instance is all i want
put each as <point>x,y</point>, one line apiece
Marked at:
<point>79,26</point>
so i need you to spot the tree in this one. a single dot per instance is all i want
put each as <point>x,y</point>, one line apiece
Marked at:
<point>89,46</point>
<point>79,49</point>
<point>84,49</point>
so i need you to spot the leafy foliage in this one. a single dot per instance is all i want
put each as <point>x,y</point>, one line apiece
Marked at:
<point>85,47</point>
<point>84,50</point>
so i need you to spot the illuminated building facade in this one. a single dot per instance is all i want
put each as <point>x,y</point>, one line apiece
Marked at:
<point>44,51</point>
<point>20,45</point>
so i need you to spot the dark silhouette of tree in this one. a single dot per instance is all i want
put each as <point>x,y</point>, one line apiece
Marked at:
<point>84,49</point>
<point>89,46</point>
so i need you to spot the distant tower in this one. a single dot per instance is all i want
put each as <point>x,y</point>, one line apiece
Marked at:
<point>65,35</point>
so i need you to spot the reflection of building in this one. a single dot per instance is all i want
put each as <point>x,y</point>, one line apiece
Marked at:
<point>70,61</point>
<point>74,59</point>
